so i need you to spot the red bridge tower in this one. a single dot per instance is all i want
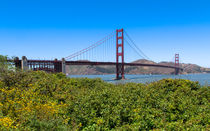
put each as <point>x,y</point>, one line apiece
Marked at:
<point>119,54</point>
<point>176,64</point>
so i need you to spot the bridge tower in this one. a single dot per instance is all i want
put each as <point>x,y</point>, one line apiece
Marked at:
<point>176,64</point>
<point>120,54</point>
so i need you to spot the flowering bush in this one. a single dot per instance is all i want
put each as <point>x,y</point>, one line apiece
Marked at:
<point>40,101</point>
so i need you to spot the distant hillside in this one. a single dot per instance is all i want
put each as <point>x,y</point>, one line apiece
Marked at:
<point>96,70</point>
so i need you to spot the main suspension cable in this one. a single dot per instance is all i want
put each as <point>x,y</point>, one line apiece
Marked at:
<point>90,47</point>
<point>134,49</point>
<point>137,46</point>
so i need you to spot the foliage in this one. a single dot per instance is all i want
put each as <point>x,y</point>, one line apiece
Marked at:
<point>40,101</point>
<point>4,64</point>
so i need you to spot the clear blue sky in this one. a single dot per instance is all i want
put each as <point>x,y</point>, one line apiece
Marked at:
<point>48,29</point>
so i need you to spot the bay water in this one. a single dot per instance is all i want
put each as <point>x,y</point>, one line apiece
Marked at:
<point>203,79</point>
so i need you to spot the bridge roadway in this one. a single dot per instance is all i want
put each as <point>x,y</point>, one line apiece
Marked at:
<point>114,63</point>
<point>100,63</point>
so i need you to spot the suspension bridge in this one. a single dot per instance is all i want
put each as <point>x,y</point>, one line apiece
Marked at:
<point>108,51</point>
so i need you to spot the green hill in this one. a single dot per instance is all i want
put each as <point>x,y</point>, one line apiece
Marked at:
<point>85,70</point>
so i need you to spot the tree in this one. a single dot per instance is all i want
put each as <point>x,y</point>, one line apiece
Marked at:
<point>4,64</point>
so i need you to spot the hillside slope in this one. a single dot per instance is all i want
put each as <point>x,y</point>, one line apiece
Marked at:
<point>96,70</point>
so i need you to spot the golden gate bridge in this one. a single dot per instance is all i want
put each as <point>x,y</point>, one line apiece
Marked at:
<point>118,39</point>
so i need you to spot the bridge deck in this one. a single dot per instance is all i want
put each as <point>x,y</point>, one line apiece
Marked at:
<point>103,63</point>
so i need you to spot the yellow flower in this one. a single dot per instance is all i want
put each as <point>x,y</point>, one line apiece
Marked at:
<point>7,122</point>
<point>100,121</point>
<point>30,85</point>
<point>66,121</point>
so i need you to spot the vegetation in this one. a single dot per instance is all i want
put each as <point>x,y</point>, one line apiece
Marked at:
<point>40,101</point>
<point>4,65</point>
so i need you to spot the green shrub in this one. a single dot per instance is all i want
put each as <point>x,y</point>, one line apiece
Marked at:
<point>41,101</point>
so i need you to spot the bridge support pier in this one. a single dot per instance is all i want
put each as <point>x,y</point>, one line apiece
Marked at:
<point>17,63</point>
<point>176,71</point>
<point>57,66</point>
<point>24,63</point>
<point>63,65</point>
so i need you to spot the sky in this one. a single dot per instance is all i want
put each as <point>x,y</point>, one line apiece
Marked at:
<point>48,29</point>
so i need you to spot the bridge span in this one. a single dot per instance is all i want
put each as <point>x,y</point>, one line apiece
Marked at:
<point>116,39</point>
<point>60,65</point>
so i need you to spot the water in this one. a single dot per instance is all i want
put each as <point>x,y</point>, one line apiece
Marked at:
<point>203,79</point>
